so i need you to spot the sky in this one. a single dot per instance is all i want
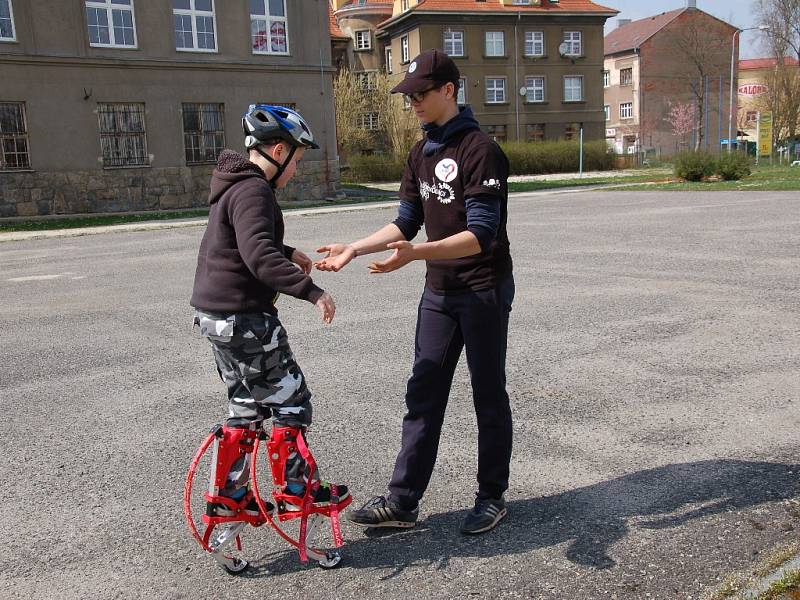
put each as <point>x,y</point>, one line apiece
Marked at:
<point>739,13</point>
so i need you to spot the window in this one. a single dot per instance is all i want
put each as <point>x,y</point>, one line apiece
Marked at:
<point>268,33</point>
<point>203,132</point>
<point>495,43</point>
<point>404,54</point>
<point>496,132</point>
<point>607,112</point>
<point>13,137</point>
<point>462,92</point>
<point>454,43</point>
<point>495,90</point>
<point>534,132</point>
<point>404,5</point>
<point>122,134</point>
<point>366,79</point>
<point>606,79</point>
<point>195,25</point>
<point>111,23</point>
<point>751,116</point>
<point>535,87</point>
<point>572,131</point>
<point>389,68</point>
<point>573,88</point>
<point>368,121</point>
<point>363,39</point>
<point>573,41</point>
<point>626,110</point>
<point>534,43</point>
<point>626,76</point>
<point>521,2</point>
<point>6,22</point>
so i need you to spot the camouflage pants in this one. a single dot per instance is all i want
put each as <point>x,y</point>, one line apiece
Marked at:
<point>263,379</point>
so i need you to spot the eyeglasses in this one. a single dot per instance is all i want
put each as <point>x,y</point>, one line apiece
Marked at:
<point>418,97</point>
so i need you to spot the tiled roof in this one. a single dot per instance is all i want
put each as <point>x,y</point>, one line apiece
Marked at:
<point>751,64</point>
<point>461,6</point>
<point>333,26</point>
<point>633,34</point>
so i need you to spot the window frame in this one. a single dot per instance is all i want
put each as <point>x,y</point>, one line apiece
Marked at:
<point>405,50</point>
<point>529,89</point>
<point>13,37</point>
<point>201,133</point>
<point>25,134</point>
<point>269,20</point>
<point>494,43</point>
<point>357,45</point>
<point>607,112</point>
<point>533,43</point>
<point>626,81</point>
<point>572,42</point>
<point>369,121</point>
<point>108,7</point>
<point>115,135</point>
<point>387,52</point>
<point>193,13</point>
<point>462,91</point>
<point>578,77</point>
<point>495,89</point>
<point>538,139</point>
<point>454,32</point>
<point>628,106</point>
<point>606,79</point>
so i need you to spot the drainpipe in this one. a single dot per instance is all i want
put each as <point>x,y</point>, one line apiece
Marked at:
<point>516,71</point>
<point>325,156</point>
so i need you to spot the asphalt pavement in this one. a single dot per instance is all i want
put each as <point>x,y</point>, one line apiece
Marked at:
<point>653,367</point>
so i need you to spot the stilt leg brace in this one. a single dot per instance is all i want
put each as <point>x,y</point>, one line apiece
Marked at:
<point>231,445</point>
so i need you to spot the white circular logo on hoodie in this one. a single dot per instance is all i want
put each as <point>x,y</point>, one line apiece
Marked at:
<point>447,170</point>
<point>412,67</point>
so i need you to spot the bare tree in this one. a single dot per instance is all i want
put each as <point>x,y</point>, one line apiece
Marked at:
<point>704,47</point>
<point>782,17</point>
<point>399,124</point>
<point>352,101</point>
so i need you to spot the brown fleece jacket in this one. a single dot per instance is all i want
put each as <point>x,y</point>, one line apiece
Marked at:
<point>243,261</point>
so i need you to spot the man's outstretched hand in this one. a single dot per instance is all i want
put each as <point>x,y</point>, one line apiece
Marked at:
<point>403,254</point>
<point>338,255</point>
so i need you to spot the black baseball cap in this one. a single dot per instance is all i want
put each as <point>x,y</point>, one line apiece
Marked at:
<point>432,68</point>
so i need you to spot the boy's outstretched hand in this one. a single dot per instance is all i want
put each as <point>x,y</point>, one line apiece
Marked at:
<point>327,307</point>
<point>338,255</point>
<point>302,260</point>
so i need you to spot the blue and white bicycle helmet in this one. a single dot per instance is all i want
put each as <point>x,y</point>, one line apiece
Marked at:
<point>266,123</point>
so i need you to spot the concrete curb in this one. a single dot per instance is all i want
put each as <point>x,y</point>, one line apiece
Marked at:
<point>755,589</point>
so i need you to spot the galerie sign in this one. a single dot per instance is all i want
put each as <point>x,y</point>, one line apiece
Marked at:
<point>753,89</point>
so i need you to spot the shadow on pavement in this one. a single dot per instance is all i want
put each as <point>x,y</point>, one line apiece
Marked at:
<point>591,519</point>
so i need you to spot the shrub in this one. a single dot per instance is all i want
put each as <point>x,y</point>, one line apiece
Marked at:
<point>733,166</point>
<point>374,168</point>
<point>557,157</point>
<point>694,166</point>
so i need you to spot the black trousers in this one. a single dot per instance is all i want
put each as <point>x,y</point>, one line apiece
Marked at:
<point>477,322</point>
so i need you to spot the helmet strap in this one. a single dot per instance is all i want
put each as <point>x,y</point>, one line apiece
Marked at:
<point>273,181</point>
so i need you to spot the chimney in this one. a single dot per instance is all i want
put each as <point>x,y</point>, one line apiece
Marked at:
<point>622,22</point>
<point>691,3</point>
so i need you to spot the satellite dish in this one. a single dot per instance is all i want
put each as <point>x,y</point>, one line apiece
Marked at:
<point>563,49</point>
<point>523,91</point>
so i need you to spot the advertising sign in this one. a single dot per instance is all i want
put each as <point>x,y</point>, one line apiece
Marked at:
<point>765,134</point>
<point>753,89</point>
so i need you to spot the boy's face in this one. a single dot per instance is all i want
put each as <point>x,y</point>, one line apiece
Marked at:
<point>430,106</point>
<point>281,152</point>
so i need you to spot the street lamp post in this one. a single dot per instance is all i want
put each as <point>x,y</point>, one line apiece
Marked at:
<point>733,56</point>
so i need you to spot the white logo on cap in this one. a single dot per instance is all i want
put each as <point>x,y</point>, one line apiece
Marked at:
<point>447,170</point>
<point>412,67</point>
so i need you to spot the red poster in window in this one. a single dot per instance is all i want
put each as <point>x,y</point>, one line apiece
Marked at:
<point>278,35</point>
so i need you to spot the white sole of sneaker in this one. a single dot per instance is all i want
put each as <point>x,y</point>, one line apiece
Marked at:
<point>393,524</point>
<point>489,527</point>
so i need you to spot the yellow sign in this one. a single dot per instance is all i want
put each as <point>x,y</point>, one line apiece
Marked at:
<point>765,134</point>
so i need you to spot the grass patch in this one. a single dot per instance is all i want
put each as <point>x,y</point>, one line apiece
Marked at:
<point>76,222</point>
<point>763,178</point>
<point>737,582</point>
<point>533,186</point>
<point>787,587</point>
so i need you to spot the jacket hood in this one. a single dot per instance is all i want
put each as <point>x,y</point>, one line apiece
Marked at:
<point>438,136</point>
<point>232,168</point>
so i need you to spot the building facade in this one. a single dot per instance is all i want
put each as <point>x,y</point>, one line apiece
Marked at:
<point>531,69</point>
<point>666,80</point>
<point>124,105</point>
<point>756,77</point>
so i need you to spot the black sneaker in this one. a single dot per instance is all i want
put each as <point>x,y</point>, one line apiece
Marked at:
<point>486,515</point>
<point>322,496</point>
<point>382,512</point>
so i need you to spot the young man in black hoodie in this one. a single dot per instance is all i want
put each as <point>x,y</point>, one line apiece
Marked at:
<point>456,184</point>
<point>242,267</point>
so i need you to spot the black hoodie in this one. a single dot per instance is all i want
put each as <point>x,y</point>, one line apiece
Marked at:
<point>243,261</point>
